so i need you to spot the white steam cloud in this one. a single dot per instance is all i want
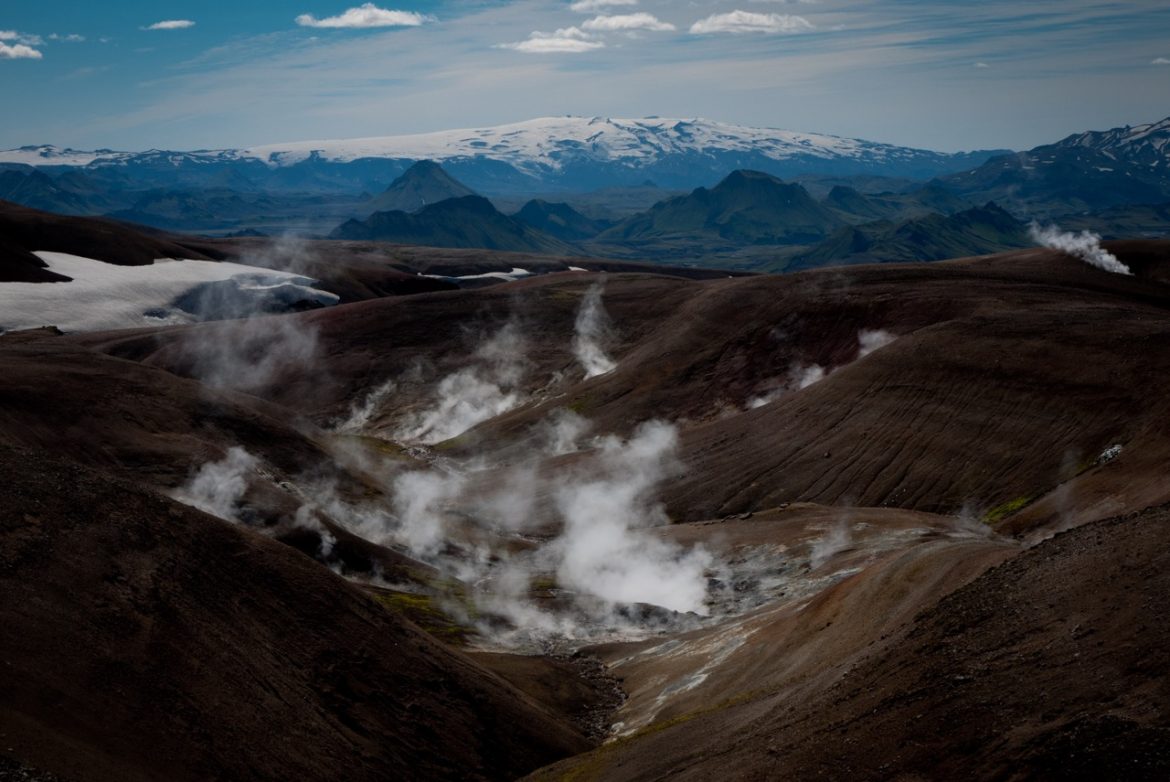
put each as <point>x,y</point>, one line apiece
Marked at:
<point>360,414</point>
<point>490,387</point>
<point>593,331</point>
<point>833,542</point>
<point>563,431</point>
<point>604,551</point>
<point>1086,246</point>
<point>421,500</point>
<point>253,351</point>
<point>218,487</point>
<point>868,341</point>
<point>249,355</point>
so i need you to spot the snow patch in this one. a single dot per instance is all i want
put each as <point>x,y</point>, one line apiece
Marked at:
<point>102,296</point>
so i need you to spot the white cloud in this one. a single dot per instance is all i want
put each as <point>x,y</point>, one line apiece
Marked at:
<point>172,24</point>
<point>639,21</point>
<point>364,16</point>
<point>25,38</point>
<point>71,38</point>
<point>1160,61</point>
<point>592,6</point>
<point>981,65</point>
<point>567,40</point>
<point>18,51</point>
<point>748,22</point>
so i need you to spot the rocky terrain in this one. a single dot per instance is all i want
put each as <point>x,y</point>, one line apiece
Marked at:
<point>495,515</point>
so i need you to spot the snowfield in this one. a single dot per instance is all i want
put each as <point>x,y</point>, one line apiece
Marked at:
<point>103,296</point>
<point>544,144</point>
<point>552,141</point>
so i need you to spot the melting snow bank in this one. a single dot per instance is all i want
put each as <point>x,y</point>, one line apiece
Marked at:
<point>516,274</point>
<point>103,296</point>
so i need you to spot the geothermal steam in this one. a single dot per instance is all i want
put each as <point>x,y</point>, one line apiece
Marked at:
<point>1085,246</point>
<point>218,487</point>
<point>593,332</point>
<point>490,387</point>
<point>604,550</point>
<point>253,352</point>
<point>250,354</point>
<point>420,501</point>
<point>361,414</point>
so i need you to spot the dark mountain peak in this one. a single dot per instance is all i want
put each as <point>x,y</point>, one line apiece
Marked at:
<point>745,176</point>
<point>747,206</point>
<point>426,182</point>
<point>559,220</point>
<point>843,191</point>
<point>845,197</point>
<point>424,167</point>
<point>538,206</point>
<point>471,204</point>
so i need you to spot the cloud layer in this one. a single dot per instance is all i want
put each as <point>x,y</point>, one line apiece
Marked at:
<point>365,16</point>
<point>566,40</point>
<point>748,22</point>
<point>592,6</point>
<point>622,22</point>
<point>172,24</point>
<point>18,51</point>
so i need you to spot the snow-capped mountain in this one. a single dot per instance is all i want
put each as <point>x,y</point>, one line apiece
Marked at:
<point>1150,140</point>
<point>1087,171</point>
<point>557,153</point>
<point>554,143</point>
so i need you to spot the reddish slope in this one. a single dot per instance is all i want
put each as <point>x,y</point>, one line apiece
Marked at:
<point>1010,376</point>
<point>1052,665</point>
<point>153,428</point>
<point>145,640</point>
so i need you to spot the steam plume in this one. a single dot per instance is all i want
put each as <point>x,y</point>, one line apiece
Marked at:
<point>361,414</point>
<point>218,487</point>
<point>474,394</point>
<point>420,500</point>
<point>1086,245</point>
<point>593,331</point>
<point>603,549</point>
<point>250,354</point>
<point>563,431</point>
<point>870,340</point>
<point>833,542</point>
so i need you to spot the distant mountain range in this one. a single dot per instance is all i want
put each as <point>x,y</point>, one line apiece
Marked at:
<point>561,153</point>
<point>977,231</point>
<point>1084,172</point>
<point>682,191</point>
<point>746,207</point>
<point>470,221</point>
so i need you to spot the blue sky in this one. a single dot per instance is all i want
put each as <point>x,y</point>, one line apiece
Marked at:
<point>940,75</point>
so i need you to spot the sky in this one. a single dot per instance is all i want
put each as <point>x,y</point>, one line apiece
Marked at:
<point>933,74</point>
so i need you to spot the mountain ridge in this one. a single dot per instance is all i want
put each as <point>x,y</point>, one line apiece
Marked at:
<point>568,152</point>
<point>468,222</point>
